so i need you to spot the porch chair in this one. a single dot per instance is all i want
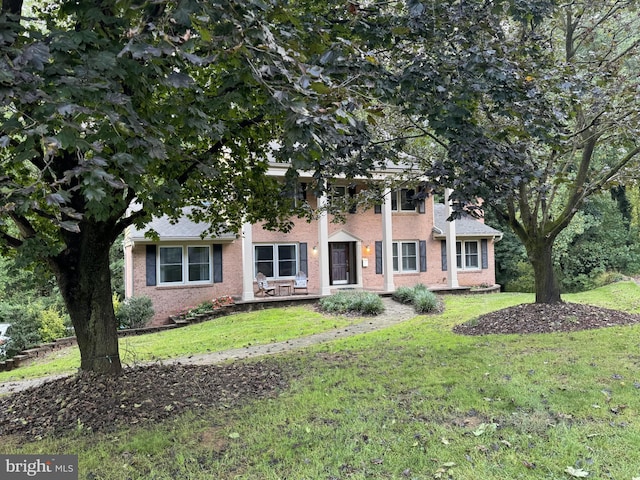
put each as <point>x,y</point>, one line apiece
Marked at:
<point>300,283</point>
<point>263,285</point>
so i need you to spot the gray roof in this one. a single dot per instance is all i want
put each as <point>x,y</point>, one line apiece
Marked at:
<point>183,229</point>
<point>466,226</point>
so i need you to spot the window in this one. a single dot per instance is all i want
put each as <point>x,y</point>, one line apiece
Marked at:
<point>403,198</point>
<point>471,256</point>
<point>276,261</point>
<point>178,263</point>
<point>405,256</point>
<point>264,260</point>
<point>338,191</point>
<point>297,193</point>
<point>170,264</point>
<point>344,197</point>
<point>199,264</point>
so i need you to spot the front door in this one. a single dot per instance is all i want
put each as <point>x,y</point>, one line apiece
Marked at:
<point>339,263</point>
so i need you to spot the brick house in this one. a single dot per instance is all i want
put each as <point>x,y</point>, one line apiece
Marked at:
<point>399,243</point>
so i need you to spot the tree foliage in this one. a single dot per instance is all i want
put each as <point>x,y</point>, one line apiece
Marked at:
<point>535,103</point>
<point>115,111</point>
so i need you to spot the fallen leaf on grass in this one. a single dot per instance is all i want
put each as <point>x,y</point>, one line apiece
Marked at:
<point>576,472</point>
<point>444,469</point>
<point>484,427</point>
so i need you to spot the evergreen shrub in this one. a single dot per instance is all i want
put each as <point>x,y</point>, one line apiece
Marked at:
<point>135,312</point>
<point>422,299</point>
<point>365,303</point>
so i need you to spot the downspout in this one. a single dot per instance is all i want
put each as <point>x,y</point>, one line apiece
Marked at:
<point>452,267</point>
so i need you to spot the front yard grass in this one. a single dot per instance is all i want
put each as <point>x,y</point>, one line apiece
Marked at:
<point>412,401</point>
<point>223,333</point>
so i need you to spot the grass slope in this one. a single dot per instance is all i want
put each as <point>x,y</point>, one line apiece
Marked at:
<point>413,401</point>
<point>223,333</point>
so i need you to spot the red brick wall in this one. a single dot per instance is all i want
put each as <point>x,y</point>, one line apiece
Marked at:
<point>168,300</point>
<point>365,226</point>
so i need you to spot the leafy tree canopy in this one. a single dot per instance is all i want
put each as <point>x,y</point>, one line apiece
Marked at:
<point>155,105</point>
<point>535,104</point>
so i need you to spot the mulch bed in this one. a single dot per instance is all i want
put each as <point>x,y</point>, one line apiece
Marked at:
<point>98,403</point>
<point>546,318</point>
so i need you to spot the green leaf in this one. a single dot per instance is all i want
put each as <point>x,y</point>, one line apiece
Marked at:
<point>485,427</point>
<point>67,138</point>
<point>320,88</point>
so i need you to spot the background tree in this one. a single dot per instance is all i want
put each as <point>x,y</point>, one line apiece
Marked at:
<point>597,247</point>
<point>536,105</point>
<point>114,111</point>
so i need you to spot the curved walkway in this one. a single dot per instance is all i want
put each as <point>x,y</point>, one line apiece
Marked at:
<point>394,313</point>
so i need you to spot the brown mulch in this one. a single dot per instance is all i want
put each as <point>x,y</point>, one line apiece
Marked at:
<point>93,403</point>
<point>546,318</point>
<point>147,394</point>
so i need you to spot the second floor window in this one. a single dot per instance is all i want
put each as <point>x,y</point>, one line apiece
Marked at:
<point>402,200</point>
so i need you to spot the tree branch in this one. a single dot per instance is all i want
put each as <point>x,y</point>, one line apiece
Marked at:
<point>13,242</point>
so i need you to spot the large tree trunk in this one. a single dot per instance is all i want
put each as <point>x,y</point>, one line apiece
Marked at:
<point>541,258</point>
<point>84,278</point>
<point>11,6</point>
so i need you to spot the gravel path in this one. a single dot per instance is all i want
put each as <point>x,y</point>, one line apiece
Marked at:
<point>394,313</point>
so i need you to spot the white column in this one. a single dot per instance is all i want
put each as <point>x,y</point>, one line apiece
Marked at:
<point>452,265</point>
<point>387,243</point>
<point>247,262</point>
<point>323,246</point>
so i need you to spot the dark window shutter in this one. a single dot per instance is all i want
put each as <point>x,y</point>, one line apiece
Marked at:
<point>217,263</point>
<point>443,250</point>
<point>151,265</point>
<point>377,208</point>
<point>484,250</point>
<point>378,257</point>
<point>352,193</point>
<point>303,258</point>
<point>423,255</point>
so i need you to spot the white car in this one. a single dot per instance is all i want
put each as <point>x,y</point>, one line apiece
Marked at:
<point>3,336</point>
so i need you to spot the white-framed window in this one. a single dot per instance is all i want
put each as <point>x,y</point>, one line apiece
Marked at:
<point>468,255</point>
<point>184,264</point>
<point>342,197</point>
<point>276,260</point>
<point>199,264</point>
<point>338,191</point>
<point>405,257</point>
<point>402,200</point>
<point>298,195</point>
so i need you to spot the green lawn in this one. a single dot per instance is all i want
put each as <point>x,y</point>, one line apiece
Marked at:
<point>413,401</point>
<point>223,333</point>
